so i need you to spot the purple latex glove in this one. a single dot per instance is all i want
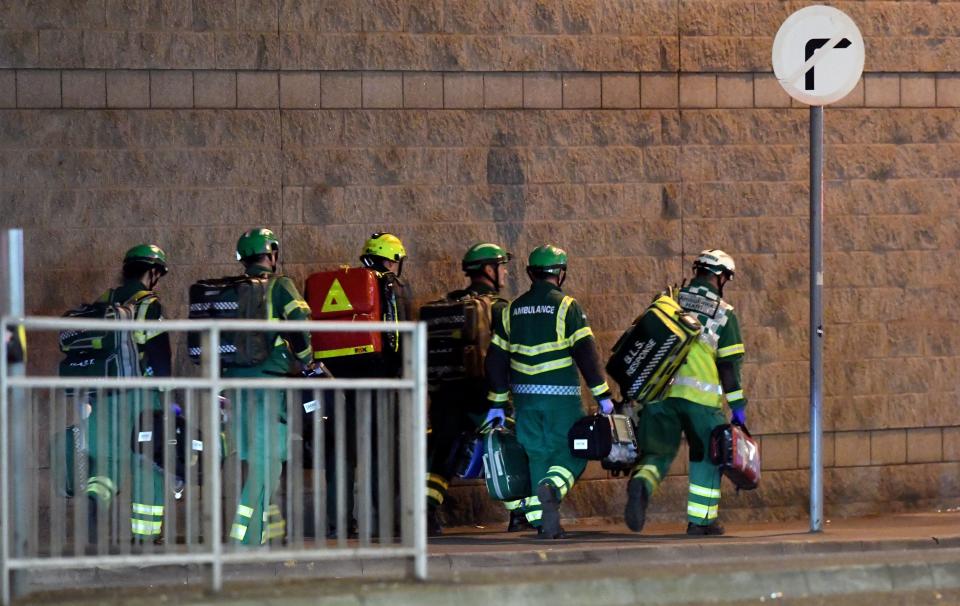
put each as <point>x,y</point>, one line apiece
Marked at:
<point>739,416</point>
<point>495,413</point>
<point>606,406</point>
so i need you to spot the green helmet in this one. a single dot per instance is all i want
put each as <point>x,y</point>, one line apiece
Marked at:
<point>150,254</point>
<point>548,259</point>
<point>484,253</point>
<point>260,241</point>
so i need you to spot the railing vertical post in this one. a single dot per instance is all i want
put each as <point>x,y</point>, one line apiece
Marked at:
<point>419,416</point>
<point>216,523</point>
<point>4,472</point>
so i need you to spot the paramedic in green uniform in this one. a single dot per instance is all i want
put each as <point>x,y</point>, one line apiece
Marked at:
<point>458,407</point>
<point>694,402</point>
<point>261,429</point>
<point>143,266</point>
<point>539,342</point>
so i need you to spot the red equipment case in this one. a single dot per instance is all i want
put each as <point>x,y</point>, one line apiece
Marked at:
<point>738,455</point>
<point>349,294</point>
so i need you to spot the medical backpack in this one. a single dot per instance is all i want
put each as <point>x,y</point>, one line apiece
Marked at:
<point>737,454</point>
<point>231,298</point>
<point>650,352</point>
<point>102,352</point>
<point>458,335</point>
<point>350,294</point>
<point>505,465</point>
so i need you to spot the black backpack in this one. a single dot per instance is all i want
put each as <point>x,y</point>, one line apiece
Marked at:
<point>232,298</point>
<point>102,353</point>
<point>458,335</point>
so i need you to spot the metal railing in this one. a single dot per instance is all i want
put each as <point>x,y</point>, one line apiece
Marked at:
<point>280,451</point>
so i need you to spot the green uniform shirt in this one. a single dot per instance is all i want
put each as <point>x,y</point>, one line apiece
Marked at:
<point>719,347</point>
<point>283,303</point>
<point>539,332</point>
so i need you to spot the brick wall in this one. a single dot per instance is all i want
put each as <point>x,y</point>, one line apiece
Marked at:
<point>632,132</point>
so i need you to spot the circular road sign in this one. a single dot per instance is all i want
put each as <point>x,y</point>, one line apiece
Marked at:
<point>818,55</point>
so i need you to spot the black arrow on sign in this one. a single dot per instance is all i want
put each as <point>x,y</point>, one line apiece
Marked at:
<point>811,47</point>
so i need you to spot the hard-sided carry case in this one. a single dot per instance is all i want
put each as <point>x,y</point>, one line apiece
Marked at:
<point>350,294</point>
<point>647,356</point>
<point>610,439</point>
<point>458,334</point>
<point>505,465</point>
<point>738,455</point>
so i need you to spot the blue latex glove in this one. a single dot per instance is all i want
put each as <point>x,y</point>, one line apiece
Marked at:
<point>606,406</point>
<point>739,416</point>
<point>495,413</point>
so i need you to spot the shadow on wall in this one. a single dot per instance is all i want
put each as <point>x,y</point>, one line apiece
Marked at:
<point>506,182</point>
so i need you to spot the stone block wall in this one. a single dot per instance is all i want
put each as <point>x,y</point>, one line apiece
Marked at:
<point>634,133</point>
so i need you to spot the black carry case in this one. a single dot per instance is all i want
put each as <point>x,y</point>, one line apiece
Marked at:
<point>601,437</point>
<point>591,437</point>
<point>610,439</point>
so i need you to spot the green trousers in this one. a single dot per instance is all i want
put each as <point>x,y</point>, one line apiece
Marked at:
<point>109,437</point>
<point>660,426</point>
<point>542,426</point>
<point>260,431</point>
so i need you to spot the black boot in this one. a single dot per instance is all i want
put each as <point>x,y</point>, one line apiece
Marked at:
<point>550,522</point>
<point>434,525</point>
<point>92,519</point>
<point>352,532</point>
<point>713,530</point>
<point>635,513</point>
<point>518,521</point>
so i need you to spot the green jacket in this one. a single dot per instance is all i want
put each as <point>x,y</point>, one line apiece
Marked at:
<point>283,303</point>
<point>711,371</point>
<point>153,346</point>
<point>539,342</point>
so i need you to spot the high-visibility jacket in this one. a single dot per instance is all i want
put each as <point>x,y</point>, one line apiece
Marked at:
<point>711,372</point>
<point>546,336</point>
<point>153,346</point>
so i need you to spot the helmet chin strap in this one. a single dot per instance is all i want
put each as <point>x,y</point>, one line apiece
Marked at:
<point>495,278</point>
<point>561,277</point>
<point>721,282</point>
<point>154,278</point>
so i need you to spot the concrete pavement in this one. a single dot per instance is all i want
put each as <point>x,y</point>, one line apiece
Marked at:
<point>903,557</point>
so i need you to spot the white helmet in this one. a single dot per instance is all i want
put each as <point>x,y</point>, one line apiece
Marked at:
<point>716,262</point>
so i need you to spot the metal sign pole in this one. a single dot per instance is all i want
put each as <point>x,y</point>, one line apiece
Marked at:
<point>816,317</point>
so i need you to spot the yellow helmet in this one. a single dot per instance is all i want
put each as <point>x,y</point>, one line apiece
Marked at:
<point>384,245</point>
